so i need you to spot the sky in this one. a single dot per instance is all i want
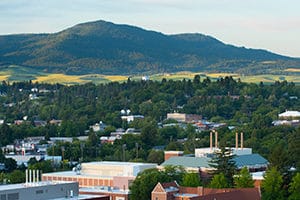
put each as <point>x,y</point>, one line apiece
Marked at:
<point>273,25</point>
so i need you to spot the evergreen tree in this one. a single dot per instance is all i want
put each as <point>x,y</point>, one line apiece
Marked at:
<point>224,163</point>
<point>294,188</point>
<point>219,181</point>
<point>272,185</point>
<point>243,179</point>
<point>191,180</point>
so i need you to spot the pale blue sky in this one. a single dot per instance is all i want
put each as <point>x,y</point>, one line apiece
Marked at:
<point>268,24</point>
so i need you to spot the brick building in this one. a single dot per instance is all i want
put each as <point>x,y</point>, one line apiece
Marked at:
<point>172,191</point>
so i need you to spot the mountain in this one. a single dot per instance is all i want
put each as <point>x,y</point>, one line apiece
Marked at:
<point>106,48</point>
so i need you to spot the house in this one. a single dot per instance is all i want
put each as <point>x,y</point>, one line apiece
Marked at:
<point>289,115</point>
<point>131,118</point>
<point>185,118</point>
<point>288,118</point>
<point>172,191</point>
<point>98,127</point>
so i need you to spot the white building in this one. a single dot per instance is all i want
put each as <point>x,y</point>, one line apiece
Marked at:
<point>289,115</point>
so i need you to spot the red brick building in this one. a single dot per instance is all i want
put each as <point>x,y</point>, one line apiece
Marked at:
<point>172,191</point>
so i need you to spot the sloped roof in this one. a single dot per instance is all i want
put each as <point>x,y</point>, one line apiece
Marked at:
<point>193,162</point>
<point>250,160</point>
<point>290,114</point>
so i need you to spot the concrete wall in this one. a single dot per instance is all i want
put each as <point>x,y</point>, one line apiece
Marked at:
<point>42,191</point>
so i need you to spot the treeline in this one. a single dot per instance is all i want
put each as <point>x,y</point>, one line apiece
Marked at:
<point>248,107</point>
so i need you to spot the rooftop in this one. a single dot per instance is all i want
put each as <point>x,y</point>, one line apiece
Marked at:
<point>31,185</point>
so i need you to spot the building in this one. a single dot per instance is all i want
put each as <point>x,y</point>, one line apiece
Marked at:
<point>289,118</point>
<point>289,115</point>
<point>200,163</point>
<point>105,178</point>
<point>169,154</point>
<point>131,118</point>
<point>172,191</point>
<point>185,118</point>
<point>34,189</point>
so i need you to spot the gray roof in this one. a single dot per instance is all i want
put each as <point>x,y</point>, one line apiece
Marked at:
<point>195,162</point>
<point>250,160</point>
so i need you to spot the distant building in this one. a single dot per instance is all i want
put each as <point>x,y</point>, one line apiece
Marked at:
<point>34,189</point>
<point>172,191</point>
<point>289,115</point>
<point>110,178</point>
<point>131,118</point>
<point>186,118</point>
<point>288,118</point>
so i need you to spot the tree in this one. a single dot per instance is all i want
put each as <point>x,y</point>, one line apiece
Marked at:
<point>155,156</point>
<point>191,180</point>
<point>279,158</point>
<point>272,185</point>
<point>219,181</point>
<point>223,163</point>
<point>16,176</point>
<point>144,183</point>
<point>294,188</point>
<point>10,164</point>
<point>243,179</point>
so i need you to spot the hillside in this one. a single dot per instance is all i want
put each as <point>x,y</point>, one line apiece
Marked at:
<point>105,48</point>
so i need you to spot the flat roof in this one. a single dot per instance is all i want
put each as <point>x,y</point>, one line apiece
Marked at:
<point>31,185</point>
<point>81,197</point>
<point>74,174</point>
<point>116,163</point>
<point>103,190</point>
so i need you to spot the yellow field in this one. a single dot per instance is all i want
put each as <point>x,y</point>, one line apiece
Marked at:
<point>3,77</point>
<point>292,70</point>
<point>217,75</point>
<point>116,78</point>
<point>59,78</point>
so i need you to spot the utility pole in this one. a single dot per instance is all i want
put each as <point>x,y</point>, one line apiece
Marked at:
<point>124,147</point>
<point>137,150</point>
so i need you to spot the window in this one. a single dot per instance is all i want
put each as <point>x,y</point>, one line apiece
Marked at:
<point>13,196</point>
<point>3,197</point>
<point>39,192</point>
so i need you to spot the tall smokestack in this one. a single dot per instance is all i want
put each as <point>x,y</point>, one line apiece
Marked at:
<point>26,174</point>
<point>30,176</point>
<point>216,139</point>
<point>33,175</point>
<point>236,140</point>
<point>242,140</point>
<point>211,143</point>
<point>37,176</point>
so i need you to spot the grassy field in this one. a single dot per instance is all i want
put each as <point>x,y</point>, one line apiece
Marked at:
<point>16,73</point>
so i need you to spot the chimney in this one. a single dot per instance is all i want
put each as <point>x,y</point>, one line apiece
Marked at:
<point>211,145</point>
<point>236,140</point>
<point>216,139</point>
<point>242,140</point>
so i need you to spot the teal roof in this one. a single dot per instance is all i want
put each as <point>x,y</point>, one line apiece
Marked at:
<point>250,160</point>
<point>194,162</point>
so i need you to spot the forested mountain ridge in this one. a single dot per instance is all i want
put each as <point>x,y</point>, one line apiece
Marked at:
<point>106,48</point>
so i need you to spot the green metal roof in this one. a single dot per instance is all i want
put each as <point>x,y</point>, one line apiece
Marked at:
<point>195,162</point>
<point>250,160</point>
